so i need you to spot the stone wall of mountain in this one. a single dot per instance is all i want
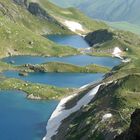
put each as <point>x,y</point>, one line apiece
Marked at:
<point>133,132</point>
<point>98,37</point>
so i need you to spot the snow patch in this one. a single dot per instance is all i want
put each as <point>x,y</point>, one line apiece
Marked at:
<point>61,113</point>
<point>117,52</point>
<point>106,117</point>
<point>74,26</point>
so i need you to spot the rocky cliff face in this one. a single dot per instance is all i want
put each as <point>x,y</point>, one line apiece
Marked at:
<point>99,36</point>
<point>107,115</point>
<point>35,9</point>
<point>133,133</point>
<point>38,11</point>
<point>21,2</point>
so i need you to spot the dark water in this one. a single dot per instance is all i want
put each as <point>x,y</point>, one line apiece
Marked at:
<point>75,41</point>
<point>58,79</point>
<point>81,60</point>
<point>22,119</point>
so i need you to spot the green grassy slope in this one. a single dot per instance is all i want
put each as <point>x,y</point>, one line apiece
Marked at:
<point>64,67</point>
<point>111,10</point>
<point>125,26</point>
<point>18,40</point>
<point>55,67</point>
<point>21,32</point>
<point>121,14</point>
<point>34,91</point>
<point>119,96</point>
<point>71,14</point>
<point>118,38</point>
<point>19,14</point>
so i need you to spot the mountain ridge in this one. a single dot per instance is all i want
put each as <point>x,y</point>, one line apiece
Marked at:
<point>111,10</point>
<point>33,20</point>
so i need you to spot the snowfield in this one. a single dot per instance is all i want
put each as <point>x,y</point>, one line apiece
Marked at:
<point>61,113</point>
<point>106,117</point>
<point>74,26</point>
<point>117,52</point>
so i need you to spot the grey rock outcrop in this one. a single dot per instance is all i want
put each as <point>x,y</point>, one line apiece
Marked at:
<point>133,133</point>
<point>98,37</point>
<point>21,2</point>
<point>37,10</point>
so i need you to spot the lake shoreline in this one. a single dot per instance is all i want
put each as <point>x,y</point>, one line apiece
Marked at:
<point>61,112</point>
<point>39,91</point>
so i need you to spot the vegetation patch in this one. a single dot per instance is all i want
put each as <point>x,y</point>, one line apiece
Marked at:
<point>34,91</point>
<point>64,67</point>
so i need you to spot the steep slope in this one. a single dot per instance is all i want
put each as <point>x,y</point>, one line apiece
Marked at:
<point>110,10</point>
<point>112,100</point>
<point>105,41</point>
<point>17,12</point>
<point>23,23</point>
<point>107,115</point>
<point>70,14</point>
<point>133,132</point>
<point>21,33</point>
<point>15,39</point>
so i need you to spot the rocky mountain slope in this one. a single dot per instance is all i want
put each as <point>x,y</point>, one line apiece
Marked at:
<point>23,24</point>
<point>20,32</point>
<point>110,10</point>
<point>133,132</point>
<point>108,113</point>
<point>99,111</point>
<point>106,116</point>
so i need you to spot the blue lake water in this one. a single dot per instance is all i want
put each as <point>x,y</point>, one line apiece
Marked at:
<point>73,80</point>
<point>70,40</point>
<point>22,119</point>
<point>81,60</point>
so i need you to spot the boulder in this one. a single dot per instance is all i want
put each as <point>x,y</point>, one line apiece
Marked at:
<point>23,74</point>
